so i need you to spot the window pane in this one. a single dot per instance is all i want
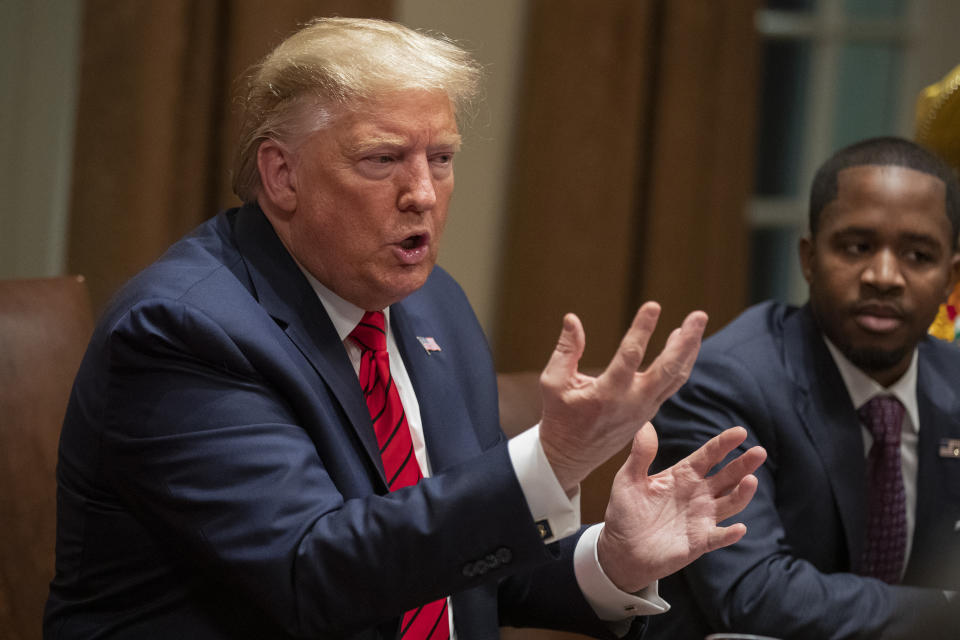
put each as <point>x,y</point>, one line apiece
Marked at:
<point>786,69</point>
<point>790,5</point>
<point>875,8</point>
<point>866,98</point>
<point>774,265</point>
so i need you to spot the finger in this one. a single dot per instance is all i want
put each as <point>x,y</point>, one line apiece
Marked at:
<point>673,365</point>
<point>683,351</point>
<point>734,471</point>
<point>642,453</point>
<point>725,536</point>
<point>735,501</point>
<point>629,354</point>
<point>715,450</point>
<point>566,355</point>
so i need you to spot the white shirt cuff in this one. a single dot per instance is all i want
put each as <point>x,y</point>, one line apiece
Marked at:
<point>556,515</point>
<point>609,602</point>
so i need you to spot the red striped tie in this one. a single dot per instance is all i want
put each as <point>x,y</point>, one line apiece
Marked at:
<point>396,450</point>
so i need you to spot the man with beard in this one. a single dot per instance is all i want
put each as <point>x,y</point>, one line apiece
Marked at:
<point>851,534</point>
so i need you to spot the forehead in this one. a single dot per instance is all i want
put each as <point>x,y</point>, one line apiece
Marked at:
<point>888,198</point>
<point>402,118</point>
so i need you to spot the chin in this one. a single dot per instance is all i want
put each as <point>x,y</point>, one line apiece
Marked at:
<point>403,287</point>
<point>875,358</point>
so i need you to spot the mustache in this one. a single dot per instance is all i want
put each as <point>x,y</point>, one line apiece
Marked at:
<point>879,307</point>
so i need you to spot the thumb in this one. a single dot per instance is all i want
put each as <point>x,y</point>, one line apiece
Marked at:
<point>566,355</point>
<point>642,453</point>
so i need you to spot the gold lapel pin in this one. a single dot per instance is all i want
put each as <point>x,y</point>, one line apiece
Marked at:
<point>950,448</point>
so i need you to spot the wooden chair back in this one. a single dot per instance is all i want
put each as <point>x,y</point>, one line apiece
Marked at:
<point>45,325</point>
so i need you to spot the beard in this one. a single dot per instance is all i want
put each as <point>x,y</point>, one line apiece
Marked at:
<point>871,360</point>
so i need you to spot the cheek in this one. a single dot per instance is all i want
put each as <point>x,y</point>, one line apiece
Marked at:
<point>935,293</point>
<point>443,206</point>
<point>441,223</point>
<point>832,285</point>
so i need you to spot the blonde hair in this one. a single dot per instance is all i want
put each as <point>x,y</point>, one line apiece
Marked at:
<point>332,63</point>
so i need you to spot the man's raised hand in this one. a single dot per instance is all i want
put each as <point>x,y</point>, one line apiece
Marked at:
<point>587,419</point>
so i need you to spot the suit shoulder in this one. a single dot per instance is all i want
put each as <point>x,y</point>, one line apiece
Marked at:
<point>441,279</point>
<point>441,293</point>
<point>933,347</point>
<point>207,252</point>
<point>758,330</point>
<point>943,357</point>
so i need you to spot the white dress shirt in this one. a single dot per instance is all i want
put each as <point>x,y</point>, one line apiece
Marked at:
<point>545,497</point>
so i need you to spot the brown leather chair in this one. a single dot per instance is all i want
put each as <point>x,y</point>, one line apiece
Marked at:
<point>519,401</point>
<point>44,328</point>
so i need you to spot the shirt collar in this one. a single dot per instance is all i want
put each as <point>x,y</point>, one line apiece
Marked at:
<point>343,314</point>
<point>862,387</point>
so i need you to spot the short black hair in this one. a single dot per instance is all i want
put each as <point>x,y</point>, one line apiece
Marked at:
<point>887,150</point>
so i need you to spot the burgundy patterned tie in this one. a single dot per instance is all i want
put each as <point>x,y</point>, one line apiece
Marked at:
<point>396,451</point>
<point>885,550</point>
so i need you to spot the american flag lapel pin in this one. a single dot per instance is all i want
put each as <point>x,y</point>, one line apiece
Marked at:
<point>950,448</point>
<point>428,343</point>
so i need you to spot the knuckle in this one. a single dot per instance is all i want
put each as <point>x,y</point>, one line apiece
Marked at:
<point>676,369</point>
<point>565,345</point>
<point>632,352</point>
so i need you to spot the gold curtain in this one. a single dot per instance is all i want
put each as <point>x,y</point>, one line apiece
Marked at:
<point>155,120</point>
<point>632,170</point>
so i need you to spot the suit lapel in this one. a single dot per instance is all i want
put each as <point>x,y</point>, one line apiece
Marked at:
<point>446,422</point>
<point>285,294</point>
<point>827,414</point>
<point>939,408</point>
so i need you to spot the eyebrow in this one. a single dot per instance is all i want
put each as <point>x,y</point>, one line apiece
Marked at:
<point>869,231</point>
<point>921,238</point>
<point>451,141</point>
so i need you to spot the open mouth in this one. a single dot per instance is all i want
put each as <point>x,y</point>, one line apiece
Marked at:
<point>413,249</point>
<point>413,242</point>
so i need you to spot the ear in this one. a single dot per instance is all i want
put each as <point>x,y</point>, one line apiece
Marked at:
<point>274,162</point>
<point>954,274</point>
<point>805,249</point>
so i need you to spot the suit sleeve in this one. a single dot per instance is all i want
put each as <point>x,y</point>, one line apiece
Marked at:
<point>761,585</point>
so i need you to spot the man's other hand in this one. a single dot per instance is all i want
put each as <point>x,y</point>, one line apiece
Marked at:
<point>656,525</point>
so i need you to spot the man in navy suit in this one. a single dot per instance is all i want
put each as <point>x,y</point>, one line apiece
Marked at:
<point>219,474</point>
<point>880,258</point>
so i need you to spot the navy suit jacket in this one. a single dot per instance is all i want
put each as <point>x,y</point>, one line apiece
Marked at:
<point>791,575</point>
<point>219,475</point>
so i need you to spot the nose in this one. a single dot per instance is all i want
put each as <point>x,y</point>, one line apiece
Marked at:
<point>417,191</point>
<point>883,271</point>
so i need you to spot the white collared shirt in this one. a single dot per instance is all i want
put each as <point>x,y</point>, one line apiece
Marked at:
<point>863,388</point>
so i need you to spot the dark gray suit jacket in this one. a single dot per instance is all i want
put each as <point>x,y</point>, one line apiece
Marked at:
<point>793,575</point>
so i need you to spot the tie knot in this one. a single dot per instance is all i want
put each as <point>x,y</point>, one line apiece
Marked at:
<point>371,334</point>
<point>883,416</point>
